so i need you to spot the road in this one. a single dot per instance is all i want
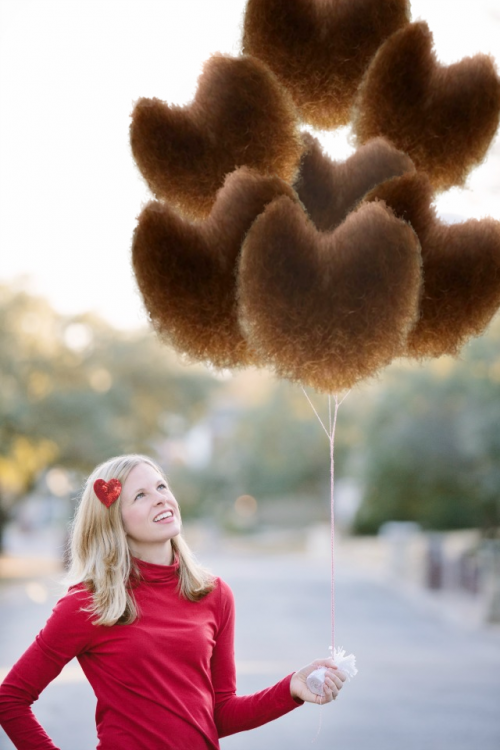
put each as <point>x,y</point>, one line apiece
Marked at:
<point>424,681</point>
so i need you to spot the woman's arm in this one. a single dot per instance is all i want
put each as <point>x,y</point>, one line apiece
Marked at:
<point>66,634</point>
<point>238,713</point>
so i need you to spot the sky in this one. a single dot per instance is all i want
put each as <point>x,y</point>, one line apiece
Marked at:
<point>70,72</point>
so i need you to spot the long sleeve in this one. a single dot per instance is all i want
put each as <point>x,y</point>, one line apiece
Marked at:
<point>66,634</point>
<point>239,713</point>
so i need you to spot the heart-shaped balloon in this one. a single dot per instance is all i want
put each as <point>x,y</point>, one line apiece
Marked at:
<point>320,50</point>
<point>443,117</point>
<point>461,268</point>
<point>107,492</point>
<point>186,271</point>
<point>240,116</point>
<point>330,189</point>
<point>329,309</point>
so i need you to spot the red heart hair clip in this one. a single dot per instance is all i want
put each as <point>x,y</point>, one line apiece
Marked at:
<point>107,492</point>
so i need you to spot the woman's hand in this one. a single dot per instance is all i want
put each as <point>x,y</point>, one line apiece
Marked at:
<point>334,679</point>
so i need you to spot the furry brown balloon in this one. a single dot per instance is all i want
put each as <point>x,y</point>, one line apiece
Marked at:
<point>443,117</point>
<point>240,116</point>
<point>329,189</point>
<point>319,50</point>
<point>461,268</point>
<point>186,271</point>
<point>329,309</point>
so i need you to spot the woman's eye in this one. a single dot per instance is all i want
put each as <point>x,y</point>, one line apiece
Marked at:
<point>162,486</point>
<point>141,494</point>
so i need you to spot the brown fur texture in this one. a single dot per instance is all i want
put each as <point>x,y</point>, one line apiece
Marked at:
<point>320,49</point>
<point>330,189</point>
<point>328,309</point>
<point>461,268</point>
<point>443,117</point>
<point>240,116</point>
<point>186,271</point>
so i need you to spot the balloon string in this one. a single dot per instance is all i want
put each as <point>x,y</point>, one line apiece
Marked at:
<point>330,433</point>
<point>332,514</point>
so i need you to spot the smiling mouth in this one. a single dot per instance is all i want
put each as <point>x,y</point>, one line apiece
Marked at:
<point>162,516</point>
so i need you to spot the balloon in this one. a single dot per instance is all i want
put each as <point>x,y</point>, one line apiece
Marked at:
<point>240,116</point>
<point>330,189</point>
<point>320,50</point>
<point>443,117</point>
<point>461,268</point>
<point>186,271</point>
<point>329,309</point>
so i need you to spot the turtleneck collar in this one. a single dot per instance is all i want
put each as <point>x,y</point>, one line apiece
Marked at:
<point>152,573</point>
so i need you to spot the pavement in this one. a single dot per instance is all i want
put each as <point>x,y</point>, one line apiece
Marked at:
<point>426,680</point>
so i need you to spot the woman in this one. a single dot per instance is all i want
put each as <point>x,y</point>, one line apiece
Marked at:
<point>152,630</point>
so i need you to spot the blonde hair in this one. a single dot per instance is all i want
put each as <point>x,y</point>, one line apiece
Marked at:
<point>101,558</point>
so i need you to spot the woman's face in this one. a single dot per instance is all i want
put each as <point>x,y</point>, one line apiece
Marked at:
<point>150,513</point>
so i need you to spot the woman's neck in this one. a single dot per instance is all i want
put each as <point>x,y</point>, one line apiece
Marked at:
<point>158,555</point>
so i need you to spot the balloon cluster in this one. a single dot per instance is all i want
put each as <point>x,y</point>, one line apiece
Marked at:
<point>260,250</point>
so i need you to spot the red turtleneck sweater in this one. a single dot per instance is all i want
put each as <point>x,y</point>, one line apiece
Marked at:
<point>166,681</point>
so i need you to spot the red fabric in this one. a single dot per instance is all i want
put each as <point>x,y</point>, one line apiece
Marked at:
<point>165,681</point>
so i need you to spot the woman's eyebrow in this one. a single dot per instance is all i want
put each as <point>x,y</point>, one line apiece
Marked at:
<point>143,489</point>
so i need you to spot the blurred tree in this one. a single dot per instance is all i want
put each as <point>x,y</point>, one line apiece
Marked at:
<point>273,447</point>
<point>432,443</point>
<point>424,441</point>
<point>74,391</point>
<point>283,448</point>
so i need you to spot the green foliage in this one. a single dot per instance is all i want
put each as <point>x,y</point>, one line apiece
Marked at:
<point>432,443</point>
<point>423,441</point>
<point>74,391</point>
<point>271,447</point>
<point>283,447</point>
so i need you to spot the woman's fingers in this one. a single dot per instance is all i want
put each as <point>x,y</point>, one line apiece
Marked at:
<point>337,677</point>
<point>337,684</point>
<point>333,683</point>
